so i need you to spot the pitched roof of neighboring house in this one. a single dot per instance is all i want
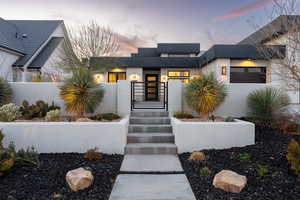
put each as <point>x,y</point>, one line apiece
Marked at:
<point>27,37</point>
<point>46,52</point>
<point>277,27</point>
<point>241,52</point>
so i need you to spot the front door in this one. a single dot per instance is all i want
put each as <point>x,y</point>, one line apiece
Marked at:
<point>151,87</point>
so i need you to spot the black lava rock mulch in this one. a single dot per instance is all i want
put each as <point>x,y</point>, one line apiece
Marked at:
<point>270,150</point>
<point>43,182</point>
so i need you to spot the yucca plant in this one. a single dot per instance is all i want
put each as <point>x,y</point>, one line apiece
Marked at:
<point>205,94</point>
<point>264,103</point>
<point>81,93</point>
<point>5,92</point>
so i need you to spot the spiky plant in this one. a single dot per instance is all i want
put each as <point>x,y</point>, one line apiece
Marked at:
<point>5,92</point>
<point>264,103</point>
<point>81,93</point>
<point>205,94</point>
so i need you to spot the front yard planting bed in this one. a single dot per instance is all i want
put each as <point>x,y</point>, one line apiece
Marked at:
<point>48,179</point>
<point>269,150</point>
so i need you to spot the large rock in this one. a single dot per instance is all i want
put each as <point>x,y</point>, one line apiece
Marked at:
<point>79,179</point>
<point>229,181</point>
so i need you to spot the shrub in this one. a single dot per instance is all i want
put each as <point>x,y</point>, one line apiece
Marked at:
<point>293,156</point>
<point>197,156</point>
<point>244,156</point>
<point>262,170</point>
<point>53,116</point>
<point>93,154</point>
<point>81,93</point>
<point>27,157</point>
<point>205,94</point>
<point>9,112</point>
<point>7,156</point>
<point>205,171</point>
<point>264,103</point>
<point>5,92</point>
<point>53,107</point>
<point>39,109</point>
<point>229,119</point>
<point>105,116</point>
<point>183,115</point>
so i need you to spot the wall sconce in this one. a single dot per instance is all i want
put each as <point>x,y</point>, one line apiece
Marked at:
<point>164,78</point>
<point>134,77</point>
<point>195,77</point>
<point>295,69</point>
<point>98,78</point>
<point>224,71</point>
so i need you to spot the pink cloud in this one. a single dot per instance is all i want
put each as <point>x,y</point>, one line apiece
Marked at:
<point>249,8</point>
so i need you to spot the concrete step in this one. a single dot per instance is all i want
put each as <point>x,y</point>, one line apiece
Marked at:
<point>150,138</point>
<point>153,128</point>
<point>149,114</point>
<point>151,163</point>
<point>151,148</point>
<point>149,120</point>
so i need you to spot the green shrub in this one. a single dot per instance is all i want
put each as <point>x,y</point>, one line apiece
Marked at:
<point>205,94</point>
<point>27,157</point>
<point>9,112</point>
<point>205,171</point>
<point>105,116</point>
<point>244,156</point>
<point>264,103</point>
<point>293,156</point>
<point>53,107</point>
<point>183,115</point>
<point>81,93</point>
<point>53,116</point>
<point>5,92</point>
<point>37,110</point>
<point>262,170</point>
<point>229,119</point>
<point>7,156</point>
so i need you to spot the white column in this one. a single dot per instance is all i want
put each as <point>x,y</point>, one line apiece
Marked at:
<point>124,97</point>
<point>174,96</point>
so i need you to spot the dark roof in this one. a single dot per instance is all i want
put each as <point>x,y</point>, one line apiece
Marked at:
<point>37,32</point>
<point>147,52</point>
<point>178,48</point>
<point>8,37</point>
<point>241,52</point>
<point>274,29</point>
<point>46,52</point>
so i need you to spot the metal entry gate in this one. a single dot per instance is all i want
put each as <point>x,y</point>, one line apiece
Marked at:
<point>149,95</point>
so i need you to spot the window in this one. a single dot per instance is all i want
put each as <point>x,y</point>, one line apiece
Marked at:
<point>248,74</point>
<point>184,76</point>
<point>114,77</point>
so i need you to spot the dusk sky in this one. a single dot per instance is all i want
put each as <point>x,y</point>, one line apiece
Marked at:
<point>143,23</point>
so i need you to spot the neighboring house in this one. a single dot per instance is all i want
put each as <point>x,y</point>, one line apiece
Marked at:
<point>236,63</point>
<point>29,48</point>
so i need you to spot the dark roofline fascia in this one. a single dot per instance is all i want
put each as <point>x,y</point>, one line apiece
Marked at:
<point>11,49</point>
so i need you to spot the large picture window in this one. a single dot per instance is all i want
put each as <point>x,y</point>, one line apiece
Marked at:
<point>183,76</point>
<point>247,74</point>
<point>114,77</point>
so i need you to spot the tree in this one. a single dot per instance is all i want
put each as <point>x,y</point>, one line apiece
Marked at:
<point>284,30</point>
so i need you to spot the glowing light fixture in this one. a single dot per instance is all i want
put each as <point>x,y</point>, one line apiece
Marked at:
<point>99,78</point>
<point>224,71</point>
<point>134,77</point>
<point>164,78</point>
<point>295,69</point>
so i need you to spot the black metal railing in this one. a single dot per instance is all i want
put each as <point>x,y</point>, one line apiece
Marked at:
<point>149,95</point>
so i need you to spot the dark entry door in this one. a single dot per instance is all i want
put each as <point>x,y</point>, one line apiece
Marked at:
<point>151,87</point>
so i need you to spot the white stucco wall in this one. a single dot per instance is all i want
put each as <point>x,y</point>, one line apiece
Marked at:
<point>124,97</point>
<point>174,96</point>
<point>49,92</point>
<point>196,136</point>
<point>216,67</point>
<point>130,71</point>
<point>59,137</point>
<point>7,59</point>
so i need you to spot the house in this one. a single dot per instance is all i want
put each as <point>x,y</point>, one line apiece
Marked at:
<point>29,48</point>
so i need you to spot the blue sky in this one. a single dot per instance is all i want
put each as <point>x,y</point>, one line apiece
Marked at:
<point>146,22</point>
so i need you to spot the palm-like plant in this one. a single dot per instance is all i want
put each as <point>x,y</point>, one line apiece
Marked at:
<point>264,103</point>
<point>5,92</point>
<point>205,94</point>
<point>81,93</point>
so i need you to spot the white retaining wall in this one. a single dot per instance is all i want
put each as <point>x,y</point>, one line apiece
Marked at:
<point>59,137</point>
<point>196,136</point>
<point>49,92</point>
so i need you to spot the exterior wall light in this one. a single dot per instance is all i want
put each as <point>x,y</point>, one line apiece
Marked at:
<point>295,69</point>
<point>98,78</point>
<point>224,71</point>
<point>134,77</point>
<point>164,78</point>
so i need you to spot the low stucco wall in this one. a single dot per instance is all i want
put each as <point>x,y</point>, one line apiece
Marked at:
<point>59,137</point>
<point>195,136</point>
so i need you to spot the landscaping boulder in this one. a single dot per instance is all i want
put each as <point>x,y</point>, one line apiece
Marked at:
<point>229,181</point>
<point>197,156</point>
<point>79,179</point>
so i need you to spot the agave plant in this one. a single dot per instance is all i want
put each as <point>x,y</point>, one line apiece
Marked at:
<point>264,103</point>
<point>81,93</point>
<point>5,92</point>
<point>205,94</point>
